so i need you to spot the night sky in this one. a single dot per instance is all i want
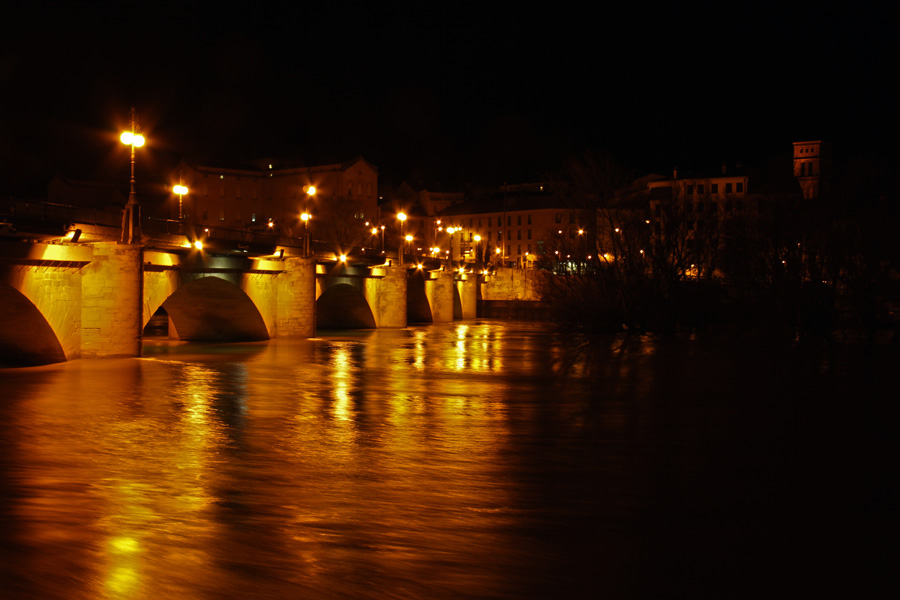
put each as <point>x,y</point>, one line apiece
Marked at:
<point>440,95</point>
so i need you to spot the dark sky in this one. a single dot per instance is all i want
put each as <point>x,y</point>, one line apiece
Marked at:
<point>441,95</point>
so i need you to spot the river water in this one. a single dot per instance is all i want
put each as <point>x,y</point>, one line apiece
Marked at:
<point>483,459</point>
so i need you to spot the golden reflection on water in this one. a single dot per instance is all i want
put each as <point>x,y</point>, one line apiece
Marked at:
<point>318,464</point>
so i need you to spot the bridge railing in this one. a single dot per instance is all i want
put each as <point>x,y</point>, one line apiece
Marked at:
<point>27,211</point>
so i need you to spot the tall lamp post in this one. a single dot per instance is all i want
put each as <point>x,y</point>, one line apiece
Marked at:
<point>131,218</point>
<point>450,232</point>
<point>477,251</point>
<point>310,192</point>
<point>402,218</point>
<point>181,190</point>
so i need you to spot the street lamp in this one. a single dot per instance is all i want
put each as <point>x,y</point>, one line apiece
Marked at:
<point>382,240</point>
<point>131,218</point>
<point>181,190</point>
<point>409,240</point>
<point>450,231</point>
<point>402,218</point>
<point>305,218</point>
<point>477,249</point>
<point>310,192</point>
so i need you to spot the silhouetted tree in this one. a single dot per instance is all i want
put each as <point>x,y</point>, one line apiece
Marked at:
<point>336,221</point>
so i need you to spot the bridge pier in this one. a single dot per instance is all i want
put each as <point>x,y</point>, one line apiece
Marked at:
<point>296,309</point>
<point>386,295</point>
<point>112,290</point>
<point>439,290</point>
<point>467,287</point>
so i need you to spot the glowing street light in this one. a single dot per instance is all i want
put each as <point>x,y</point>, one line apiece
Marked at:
<point>131,218</point>
<point>305,217</point>
<point>181,190</point>
<point>450,232</point>
<point>477,249</point>
<point>402,218</point>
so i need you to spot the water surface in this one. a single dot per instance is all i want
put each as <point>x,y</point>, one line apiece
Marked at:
<point>476,460</point>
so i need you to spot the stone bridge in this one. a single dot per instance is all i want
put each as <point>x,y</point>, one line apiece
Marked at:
<point>84,300</point>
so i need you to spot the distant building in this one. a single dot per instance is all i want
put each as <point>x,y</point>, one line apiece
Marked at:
<point>517,225</point>
<point>715,193</point>
<point>812,167</point>
<point>254,198</point>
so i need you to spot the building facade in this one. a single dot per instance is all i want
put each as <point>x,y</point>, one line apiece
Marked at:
<point>275,197</point>
<point>516,226</point>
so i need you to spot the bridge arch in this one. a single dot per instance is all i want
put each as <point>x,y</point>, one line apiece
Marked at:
<point>26,337</point>
<point>213,309</point>
<point>343,306</point>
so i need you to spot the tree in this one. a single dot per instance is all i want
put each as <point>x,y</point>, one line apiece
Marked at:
<point>337,222</point>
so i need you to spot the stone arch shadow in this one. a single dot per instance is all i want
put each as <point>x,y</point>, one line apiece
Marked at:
<point>418,309</point>
<point>343,306</point>
<point>214,309</point>
<point>457,303</point>
<point>26,338</point>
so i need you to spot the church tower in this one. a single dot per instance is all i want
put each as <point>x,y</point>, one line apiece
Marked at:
<point>812,167</point>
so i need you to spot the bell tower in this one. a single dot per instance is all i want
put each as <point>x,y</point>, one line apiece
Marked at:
<point>812,167</point>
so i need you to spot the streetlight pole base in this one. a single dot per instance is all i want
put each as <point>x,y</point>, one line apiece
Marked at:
<point>131,223</point>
